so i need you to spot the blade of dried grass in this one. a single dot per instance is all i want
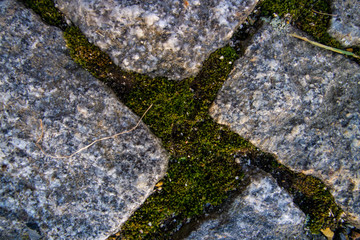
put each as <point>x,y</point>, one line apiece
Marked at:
<point>87,146</point>
<point>325,47</point>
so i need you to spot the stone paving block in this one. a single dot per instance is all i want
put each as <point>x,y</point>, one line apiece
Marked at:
<point>169,38</point>
<point>345,24</point>
<point>262,211</point>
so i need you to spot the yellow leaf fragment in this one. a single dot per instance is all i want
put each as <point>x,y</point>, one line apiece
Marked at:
<point>254,59</point>
<point>159,184</point>
<point>328,233</point>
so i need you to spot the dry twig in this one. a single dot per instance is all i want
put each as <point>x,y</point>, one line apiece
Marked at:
<point>324,46</point>
<point>327,14</point>
<point>89,145</point>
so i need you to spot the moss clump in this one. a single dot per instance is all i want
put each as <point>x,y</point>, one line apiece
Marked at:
<point>178,106</point>
<point>315,200</point>
<point>86,54</point>
<point>305,14</point>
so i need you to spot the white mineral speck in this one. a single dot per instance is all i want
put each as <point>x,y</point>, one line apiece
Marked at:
<point>82,110</point>
<point>355,144</point>
<point>34,44</point>
<point>131,12</point>
<point>126,62</point>
<point>161,24</point>
<point>172,43</point>
<point>2,155</point>
<point>196,2</point>
<point>151,18</point>
<point>221,11</point>
<point>138,32</point>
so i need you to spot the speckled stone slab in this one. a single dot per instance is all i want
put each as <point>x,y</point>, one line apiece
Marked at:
<point>345,24</point>
<point>87,196</point>
<point>169,38</point>
<point>301,103</point>
<point>263,211</point>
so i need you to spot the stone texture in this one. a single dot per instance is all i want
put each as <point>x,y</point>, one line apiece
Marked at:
<point>345,25</point>
<point>301,103</point>
<point>91,194</point>
<point>169,38</point>
<point>262,211</point>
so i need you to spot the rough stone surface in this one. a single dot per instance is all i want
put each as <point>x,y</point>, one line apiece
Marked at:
<point>262,211</point>
<point>301,103</point>
<point>345,25</point>
<point>91,194</point>
<point>169,38</point>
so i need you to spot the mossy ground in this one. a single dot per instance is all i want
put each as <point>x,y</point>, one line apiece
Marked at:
<point>202,171</point>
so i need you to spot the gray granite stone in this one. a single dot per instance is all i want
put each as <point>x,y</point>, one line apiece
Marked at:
<point>262,211</point>
<point>87,196</point>
<point>345,25</point>
<point>169,38</point>
<point>301,103</point>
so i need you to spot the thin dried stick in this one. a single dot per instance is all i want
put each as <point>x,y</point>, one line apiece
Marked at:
<point>87,146</point>
<point>325,47</point>
<point>327,14</point>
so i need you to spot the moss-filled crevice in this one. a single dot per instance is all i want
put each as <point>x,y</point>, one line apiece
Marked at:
<point>47,11</point>
<point>309,193</point>
<point>310,16</point>
<point>86,54</point>
<point>202,172</point>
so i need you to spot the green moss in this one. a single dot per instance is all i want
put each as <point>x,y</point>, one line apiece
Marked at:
<point>302,13</point>
<point>86,54</point>
<point>178,106</point>
<point>317,202</point>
